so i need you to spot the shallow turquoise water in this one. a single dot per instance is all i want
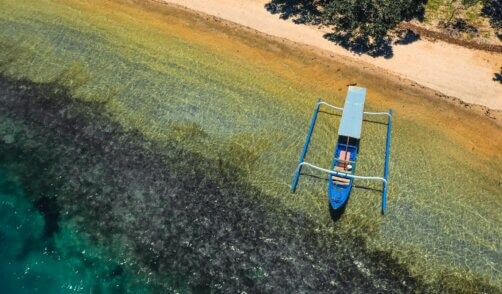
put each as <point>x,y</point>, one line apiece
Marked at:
<point>62,261</point>
<point>110,212</point>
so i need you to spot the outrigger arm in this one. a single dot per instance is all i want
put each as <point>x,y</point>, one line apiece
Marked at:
<point>335,173</point>
<point>385,179</point>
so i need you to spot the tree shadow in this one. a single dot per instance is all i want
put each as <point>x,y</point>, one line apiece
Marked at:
<point>458,27</point>
<point>301,11</point>
<point>493,10</point>
<point>406,37</point>
<point>365,38</point>
<point>361,44</point>
<point>498,77</point>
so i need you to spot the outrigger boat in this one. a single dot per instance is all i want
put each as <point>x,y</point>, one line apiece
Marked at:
<point>345,156</point>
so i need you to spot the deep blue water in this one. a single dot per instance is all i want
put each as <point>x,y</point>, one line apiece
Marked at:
<point>35,260</point>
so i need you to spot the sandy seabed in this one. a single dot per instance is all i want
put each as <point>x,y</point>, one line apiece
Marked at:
<point>446,68</point>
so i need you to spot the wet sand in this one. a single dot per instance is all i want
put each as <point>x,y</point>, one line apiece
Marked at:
<point>448,69</point>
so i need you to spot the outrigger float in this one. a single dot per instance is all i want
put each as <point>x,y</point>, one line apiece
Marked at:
<point>345,155</point>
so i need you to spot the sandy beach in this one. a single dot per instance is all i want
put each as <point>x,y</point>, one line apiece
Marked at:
<point>451,70</point>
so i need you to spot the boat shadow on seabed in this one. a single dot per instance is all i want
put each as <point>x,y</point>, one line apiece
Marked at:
<point>336,214</point>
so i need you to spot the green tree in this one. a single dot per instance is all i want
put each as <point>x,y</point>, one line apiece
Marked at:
<point>363,25</point>
<point>458,6</point>
<point>359,25</point>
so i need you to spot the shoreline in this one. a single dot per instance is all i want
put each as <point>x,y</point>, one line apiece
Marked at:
<point>313,42</point>
<point>228,108</point>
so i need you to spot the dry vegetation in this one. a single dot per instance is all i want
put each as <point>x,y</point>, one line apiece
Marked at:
<point>465,20</point>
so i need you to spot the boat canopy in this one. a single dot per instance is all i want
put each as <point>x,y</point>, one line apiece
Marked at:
<point>352,117</point>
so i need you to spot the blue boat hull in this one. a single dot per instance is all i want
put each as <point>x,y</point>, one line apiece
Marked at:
<point>338,194</point>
